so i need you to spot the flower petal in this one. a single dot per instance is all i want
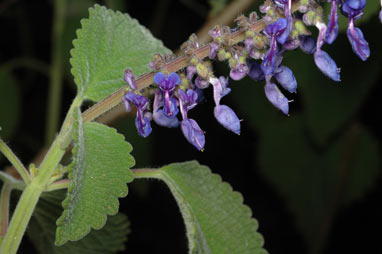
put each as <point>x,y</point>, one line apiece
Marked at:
<point>332,27</point>
<point>358,42</point>
<point>193,133</point>
<point>159,78</point>
<point>227,117</point>
<point>276,97</point>
<point>327,65</point>
<point>161,119</point>
<point>286,79</point>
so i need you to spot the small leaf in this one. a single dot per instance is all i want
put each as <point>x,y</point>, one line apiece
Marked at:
<point>99,173</point>
<point>107,44</point>
<point>215,217</point>
<point>42,229</point>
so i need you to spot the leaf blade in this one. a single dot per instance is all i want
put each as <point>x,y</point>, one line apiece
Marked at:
<point>106,45</point>
<point>99,173</point>
<point>215,217</point>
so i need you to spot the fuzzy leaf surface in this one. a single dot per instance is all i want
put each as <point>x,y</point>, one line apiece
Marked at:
<point>107,44</point>
<point>99,173</point>
<point>42,230</point>
<point>215,217</point>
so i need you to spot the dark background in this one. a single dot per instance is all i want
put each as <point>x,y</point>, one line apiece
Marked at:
<point>311,179</point>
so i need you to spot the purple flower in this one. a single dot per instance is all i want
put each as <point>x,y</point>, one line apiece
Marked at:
<point>167,86</point>
<point>213,49</point>
<point>327,65</point>
<point>286,79</point>
<point>227,118</point>
<point>193,133</point>
<point>191,70</point>
<point>275,96</point>
<point>353,9</point>
<point>307,44</point>
<point>130,79</point>
<point>201,83</point>
<point>248,44</point>
<point>239,71</point>
<point>273,31</point>
<point>255,71</point>
<point>190,128</point>
<point>158,114</point>
<point>224,114</point>
<point>358,42</point>
<point>332,27</point>
<point>283,35</point>
<point>142,121</point>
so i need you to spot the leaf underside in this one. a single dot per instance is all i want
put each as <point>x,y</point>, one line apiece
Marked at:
<point>107,44</point>
<point>99,173</point>
<point>215,217</point>
<point>42,230</point>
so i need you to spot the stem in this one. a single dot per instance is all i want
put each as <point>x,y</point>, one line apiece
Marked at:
<point>54,97</point>
<point>15,161</point>
<point>32,192</point>
<point>4,208</point>
<point>179,63</point>
<point>147,173</point>
<point>58,185</point>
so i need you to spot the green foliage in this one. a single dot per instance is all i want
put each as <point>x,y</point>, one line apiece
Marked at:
<point>42,230</point>
<point>99,173</point>
<point>106,45</point>
<point>215,217</point>
<point>9,97</point>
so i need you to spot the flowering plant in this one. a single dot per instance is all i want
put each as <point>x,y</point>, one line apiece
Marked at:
<point>117,63</point>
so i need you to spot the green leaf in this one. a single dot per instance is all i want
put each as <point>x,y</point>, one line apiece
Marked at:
<point>41,229</point>
<point>317,183</point>
<point>106,45</point>
<point>99,173</point>
<point>9,109</point>
<point>215,217</point>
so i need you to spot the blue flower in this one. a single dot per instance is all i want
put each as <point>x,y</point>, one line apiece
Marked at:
<point>193,133</point>
<point>285,77</point>
<point>158,114</point>
<point>224,114</point>
<point>167,86</point>
<point>327,65</point>
<point>239,71</point>
<point>142,121</point>
<point>190,128</point>
<point>227,117</point>
<point>332,27</point>
<point>130,79</point>
<point>353,9</point>
<point>307,44</point>
<point>255,71</point>
<point>359,44</point>
<point>276,97</point>
<point>274,31</point>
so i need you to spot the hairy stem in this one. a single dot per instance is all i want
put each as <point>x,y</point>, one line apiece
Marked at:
<point>58,185</point>
<point>15,161</point>
<point>146,173</point>
<point>33,191</point>
<point>4,208</point>
<point>54,97</point>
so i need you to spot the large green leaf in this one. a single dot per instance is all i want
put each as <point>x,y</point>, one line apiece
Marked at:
<point>215,217</point>
<point>317,183</point>
<point>42,227</point>
<point>99,173</point>
<point>106,45</point>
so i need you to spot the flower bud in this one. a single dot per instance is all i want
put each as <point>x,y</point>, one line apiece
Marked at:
<point>227,117</point>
